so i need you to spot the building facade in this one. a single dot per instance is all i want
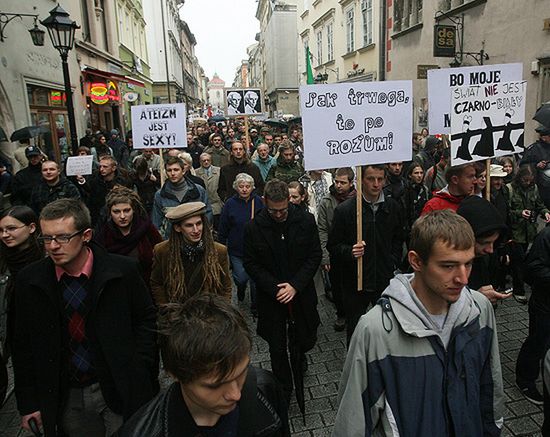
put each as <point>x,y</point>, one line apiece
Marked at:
<point>216,98</point>
<point>505,30</point>
<point>164,48</point>
<point>133,56</point>
<point>345,39</point>
<point>277,48</point>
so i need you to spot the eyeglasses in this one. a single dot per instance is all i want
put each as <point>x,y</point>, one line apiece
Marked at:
<point>10,229</point>
<point>59,239</point>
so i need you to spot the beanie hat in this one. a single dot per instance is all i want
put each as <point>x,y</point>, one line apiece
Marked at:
<point>482,215</point>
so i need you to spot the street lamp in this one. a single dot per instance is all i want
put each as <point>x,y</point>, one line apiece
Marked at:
<point>62,29</point>
<point>37,34</point>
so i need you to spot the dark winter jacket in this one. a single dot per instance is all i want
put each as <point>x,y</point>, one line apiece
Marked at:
<point>537,269</point>
<point>236,213</point>
<point>262,412</point>
<point>536,152</point>
<point>23,183</point>
<point>285,171</point>
<point>121,326</point>
<point>42,194</point>
<point>383,234</point>
<point>395,187</point>
<point>229,172</point>
<point>284,252</point>
<point>413,200</point>
<point>165,199</point>
<point>146,188</point>
<point>524,231</point>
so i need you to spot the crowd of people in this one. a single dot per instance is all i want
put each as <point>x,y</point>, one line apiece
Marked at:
<point>151,255</point>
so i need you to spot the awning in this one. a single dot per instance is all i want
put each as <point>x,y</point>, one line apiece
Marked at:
<point>114,76</point>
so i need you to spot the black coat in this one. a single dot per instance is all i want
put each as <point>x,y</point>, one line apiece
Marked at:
<point>120,325</point>
<point>537,270</point>
<point>383,235</point>
<point>262,412</point>
<point>229,172</point>
<point>290,252</point>
<point>42,194</point>
<point>23,183</point>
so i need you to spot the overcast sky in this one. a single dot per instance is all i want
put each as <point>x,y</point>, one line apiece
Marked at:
<point>223,30</point>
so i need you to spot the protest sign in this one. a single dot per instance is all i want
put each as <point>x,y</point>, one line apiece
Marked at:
<point>441,82</point>
<point>487,121</point>
<point>159,126</point>
<point>79,165</point>
<point>351,124</point>
<point>243,101</point>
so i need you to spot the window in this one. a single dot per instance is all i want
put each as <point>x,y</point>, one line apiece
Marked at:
<point>85,20</point>
<point>350,29</point>
<point>545,82</point>
<point>407,13</point>
<point>319,47</point>
<point>366,12</point>
<point>330,42</point>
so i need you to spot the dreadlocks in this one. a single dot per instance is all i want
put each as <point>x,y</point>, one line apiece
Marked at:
<point>121,194</point>
<point>210,266</point>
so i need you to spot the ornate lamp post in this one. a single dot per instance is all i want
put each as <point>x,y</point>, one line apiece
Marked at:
<point>62,30</point>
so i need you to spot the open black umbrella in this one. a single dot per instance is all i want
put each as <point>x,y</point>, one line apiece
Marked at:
<point>217,118</point>
<point>543,115</point>
<point>295,120</point>
<point>297,364</point>
<point>28,132</point>
<point>274,122</point>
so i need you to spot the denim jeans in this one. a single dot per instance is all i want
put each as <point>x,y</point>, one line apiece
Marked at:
<point>536,344</point>
<point>87,414</point>
<point>241,278</point>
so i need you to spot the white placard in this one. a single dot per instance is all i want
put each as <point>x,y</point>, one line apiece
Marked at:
<point>487,121</point>
<point>350,124</point>
<point>243,101</point>
<point>441,82</point>
<point>79,165</point>
<point>159,126</point>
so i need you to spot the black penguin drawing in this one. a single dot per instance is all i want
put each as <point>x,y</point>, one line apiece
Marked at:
<point>463,151</point>
<point>485,146</point>
<point>505,143</point>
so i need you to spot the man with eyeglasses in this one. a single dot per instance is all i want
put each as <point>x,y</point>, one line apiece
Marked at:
<point>85,356</point>
<point>282,254</point>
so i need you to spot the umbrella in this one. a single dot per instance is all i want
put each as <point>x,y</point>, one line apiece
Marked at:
<point>275,123</point>
<point>34,427</point>
<point>217,118</point>
<point>297,363</point>
<point>28,132</point>
<point>295,120</point>
<point>543,115</point>
<point>3,136</point>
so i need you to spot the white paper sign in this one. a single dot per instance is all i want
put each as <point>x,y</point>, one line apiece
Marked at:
<point>350,124</point>
<point>487,121</point>
<point>441,82</point>
<point>79,165</point>
<point>159,126</point>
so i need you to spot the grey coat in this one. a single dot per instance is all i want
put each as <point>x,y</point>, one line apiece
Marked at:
<point>212,183</point>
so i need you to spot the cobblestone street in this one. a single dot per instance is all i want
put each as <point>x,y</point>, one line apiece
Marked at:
<point>325,363</point>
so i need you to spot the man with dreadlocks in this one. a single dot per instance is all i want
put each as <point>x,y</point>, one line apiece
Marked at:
<point>189,261</point>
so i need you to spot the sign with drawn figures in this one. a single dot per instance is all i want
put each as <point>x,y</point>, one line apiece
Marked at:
<point>243,101</point>
<point>351,124</point>
<point>487,121</point>
<point>441,82</point>
<point>159,126</point>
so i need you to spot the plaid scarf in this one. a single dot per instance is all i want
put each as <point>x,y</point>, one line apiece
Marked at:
<point>76,305</point>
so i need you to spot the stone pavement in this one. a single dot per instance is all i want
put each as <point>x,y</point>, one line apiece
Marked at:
<point>325,364</point>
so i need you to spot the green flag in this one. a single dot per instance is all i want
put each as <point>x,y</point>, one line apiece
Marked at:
<point>309,71</point>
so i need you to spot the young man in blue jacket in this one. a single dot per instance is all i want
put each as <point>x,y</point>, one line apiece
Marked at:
<point>424,361</point>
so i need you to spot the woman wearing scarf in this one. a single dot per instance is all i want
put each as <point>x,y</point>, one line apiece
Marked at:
<point>18,248</point>
<point>129,230</point>
<point>236,213</point>
<point>189,262</point>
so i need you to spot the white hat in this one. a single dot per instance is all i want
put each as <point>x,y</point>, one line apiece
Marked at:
<point>497,171</point>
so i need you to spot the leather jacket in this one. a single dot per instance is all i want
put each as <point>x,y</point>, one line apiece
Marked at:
<point>263,412</point>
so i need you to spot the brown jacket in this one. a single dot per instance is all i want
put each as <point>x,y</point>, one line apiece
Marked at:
<point>160,272</point>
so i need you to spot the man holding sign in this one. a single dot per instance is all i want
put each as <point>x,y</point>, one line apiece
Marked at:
<point>380,251</point>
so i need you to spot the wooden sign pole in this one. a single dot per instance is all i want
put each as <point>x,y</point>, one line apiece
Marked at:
<point>247,135</point>
<point>359,211</point>
<point>162,169</point>
<point>488,179</point>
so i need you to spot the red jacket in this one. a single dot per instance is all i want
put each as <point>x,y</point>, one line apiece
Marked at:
<point>442,200</point>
